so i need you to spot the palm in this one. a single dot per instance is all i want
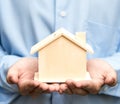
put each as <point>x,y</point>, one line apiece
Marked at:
<point>29,67</point>
<point>25,69</point>
<point>101,73</point>
<point>22,74</point>
<point>100,70</point>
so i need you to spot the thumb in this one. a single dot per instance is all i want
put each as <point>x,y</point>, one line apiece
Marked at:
<point>12,76</point>
<point>111,79</point>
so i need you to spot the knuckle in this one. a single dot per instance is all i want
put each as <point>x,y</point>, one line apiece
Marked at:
<point>9,79</point>
<point>113,81</point>
<point>95,90</point>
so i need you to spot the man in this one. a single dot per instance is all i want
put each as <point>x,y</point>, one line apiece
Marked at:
<point>22,24</point>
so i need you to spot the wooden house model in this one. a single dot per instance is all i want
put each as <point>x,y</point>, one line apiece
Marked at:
<point>62,56</point>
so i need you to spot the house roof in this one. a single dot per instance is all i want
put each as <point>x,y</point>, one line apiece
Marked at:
<point>56,35</point>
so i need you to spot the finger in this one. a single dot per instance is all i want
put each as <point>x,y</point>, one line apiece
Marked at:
<point>53,87</point>
<point>76,87</point>
<point>64,89</point>
<point>111,79</point>
<point>79,91</point>
<point>70,84</point>
<point>26,86</point>
<point>89,86</point>
<point>37,91</point>
<point>43,86</point>
<point>12,76</point>
<point>40,89</point>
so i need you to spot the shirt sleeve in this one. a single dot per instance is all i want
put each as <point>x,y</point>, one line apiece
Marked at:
<point>5,63</point>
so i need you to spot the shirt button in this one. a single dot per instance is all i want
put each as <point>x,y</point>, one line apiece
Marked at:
<point>63,13</point>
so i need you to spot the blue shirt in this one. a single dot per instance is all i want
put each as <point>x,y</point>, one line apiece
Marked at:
<point>24,23</point>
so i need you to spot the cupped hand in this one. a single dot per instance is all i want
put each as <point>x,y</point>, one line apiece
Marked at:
<point>22,74</point>
<point>101,73</point>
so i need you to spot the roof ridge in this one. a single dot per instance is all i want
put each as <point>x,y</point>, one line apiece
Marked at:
<point>57,34</point>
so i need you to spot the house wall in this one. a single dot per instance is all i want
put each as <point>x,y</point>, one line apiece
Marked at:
<point>61,60</point>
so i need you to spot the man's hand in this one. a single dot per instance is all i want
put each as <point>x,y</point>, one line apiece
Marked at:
<point>101,73</point>
<point>22,74</point>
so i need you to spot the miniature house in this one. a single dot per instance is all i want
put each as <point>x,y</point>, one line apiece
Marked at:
<point>61,56</point>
